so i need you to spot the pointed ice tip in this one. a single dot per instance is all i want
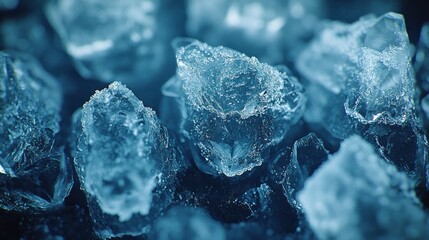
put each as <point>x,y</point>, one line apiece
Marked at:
<point>182,42</point>
<point>394,15</point>
<point>117,85</point>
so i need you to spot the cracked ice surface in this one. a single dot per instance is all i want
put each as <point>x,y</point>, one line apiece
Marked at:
<point>34,174</point>
<point>233,107</point>
<point>357,195</point>
<point>125,161</point>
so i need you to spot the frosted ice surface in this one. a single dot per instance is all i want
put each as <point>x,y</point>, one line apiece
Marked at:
<point>236,108</point>
<point>115,40</point>
<point>34,173</point>
<point>361,82</point>
<point>125,161</point>
<point>357,195</point>
<point>421,65</point>
<point>238,23</point>
<point>308,154</point>
<point>368,64</point>
<point>187,223</point>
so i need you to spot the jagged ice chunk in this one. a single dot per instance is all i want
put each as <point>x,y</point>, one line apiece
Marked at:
<point>368,63</point>
<point>34,173</point>
<point>125,161</point>
<point>233,107</point>
<point>357,195</point>
<point>361,82</point>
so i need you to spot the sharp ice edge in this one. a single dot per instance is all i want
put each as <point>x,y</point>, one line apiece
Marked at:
<point>235,107</point>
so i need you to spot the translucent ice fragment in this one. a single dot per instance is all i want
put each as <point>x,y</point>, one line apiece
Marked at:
<point>186,223</point>
<point>368,63</point>
<point>421,65</point>
<point>125,161</point>
<point>357,195</point>
<point>125,40</point>
<point>276,24</point>
<point>361,82</point>
<point>308,154</point>
<point>234,107</point>
<point>34,174</point>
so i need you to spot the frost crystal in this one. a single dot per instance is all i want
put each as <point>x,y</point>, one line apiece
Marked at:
<point>33,173</point>
<point>125,161</point>
<point>356,195</point>
<point>234,107</point>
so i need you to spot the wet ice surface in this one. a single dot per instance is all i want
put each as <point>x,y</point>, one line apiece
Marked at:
<point>241,140</point>
<point>125,161</point>
<point>34,172</point>
<point>233,107</point>
<point>359,196</point>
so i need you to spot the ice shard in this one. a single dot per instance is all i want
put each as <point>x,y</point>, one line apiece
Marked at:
<point>232,108</point>
<point>361,82</point>
<point>125,160</point>
<point>127,41</point>
<point>357,195</point>
<point>308,153</point>
<point>34,173</point>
